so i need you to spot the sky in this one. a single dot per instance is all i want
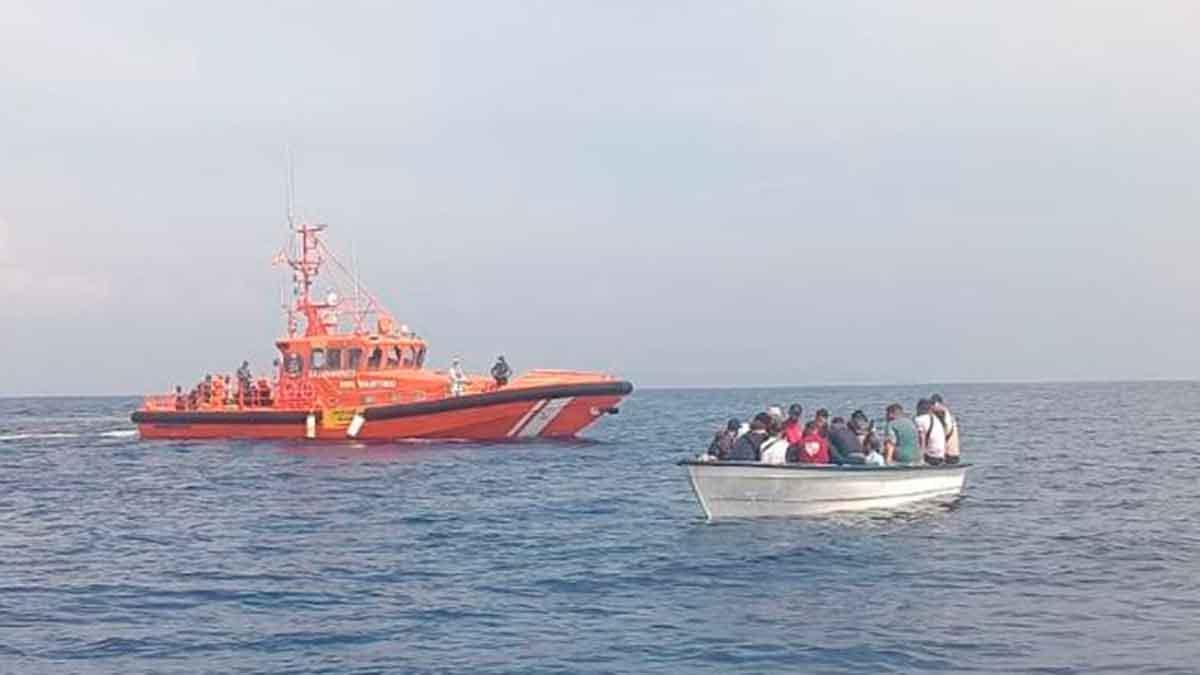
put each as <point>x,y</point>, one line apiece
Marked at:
<point>680,193</point>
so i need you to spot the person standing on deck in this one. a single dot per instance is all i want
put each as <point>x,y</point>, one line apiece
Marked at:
<point>501,372</point>
<point>900,437</point>
<point>931,436</point>
<point>218,391</point>
<point>206,390</point>
<point>950,425</point>
<point>245,382</point>
<point>458,379</point>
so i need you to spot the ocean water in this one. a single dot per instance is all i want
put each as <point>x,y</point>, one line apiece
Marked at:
<point>1075,549</point>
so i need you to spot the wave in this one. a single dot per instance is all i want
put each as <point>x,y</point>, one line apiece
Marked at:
<point>46,435</point>
<point>37,436</point>
<point>119,433</point>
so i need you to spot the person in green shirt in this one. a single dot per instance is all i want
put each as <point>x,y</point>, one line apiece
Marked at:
<point>900,437</point>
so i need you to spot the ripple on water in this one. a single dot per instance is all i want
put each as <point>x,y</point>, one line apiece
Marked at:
<point>1067,556</point>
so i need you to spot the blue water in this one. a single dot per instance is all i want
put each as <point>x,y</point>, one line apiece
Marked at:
<point>1076,548</point>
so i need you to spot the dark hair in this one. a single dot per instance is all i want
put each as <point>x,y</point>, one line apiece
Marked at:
<point>839,420</point>
<point>858,415</point>
<point>758,425</point>
<point>937,398</point>
<point>794,410</point>
<point>923,406</point>
<point>733,424</point>
<point>763,419</point>
<point>810,427</point>
<point>894,408</point>
<point>822,413</point>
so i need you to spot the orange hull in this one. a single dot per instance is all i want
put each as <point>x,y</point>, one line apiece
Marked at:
<point>555,411</point>
<point>339,375</point>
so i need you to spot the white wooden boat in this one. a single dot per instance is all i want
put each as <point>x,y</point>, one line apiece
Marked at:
<point>753,490</point>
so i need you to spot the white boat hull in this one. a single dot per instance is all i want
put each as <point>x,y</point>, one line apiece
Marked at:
<point>752,490</point>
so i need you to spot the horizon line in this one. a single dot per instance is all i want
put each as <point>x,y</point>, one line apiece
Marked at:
<point>668,387</point>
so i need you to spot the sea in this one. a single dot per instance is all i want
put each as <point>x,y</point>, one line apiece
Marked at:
<point>1076,547</point>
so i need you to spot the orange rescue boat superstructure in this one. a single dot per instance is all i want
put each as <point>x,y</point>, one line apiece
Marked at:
<point>347,370</point>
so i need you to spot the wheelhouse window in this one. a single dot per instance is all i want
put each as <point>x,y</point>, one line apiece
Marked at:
<point>375,359</point>
<point>333,359</point>
<point>317,360</point>
<point>420,356</point>
<point>408,358</point>
<point>393,360</point>
<point>354,358</point>
<point>292,364</point>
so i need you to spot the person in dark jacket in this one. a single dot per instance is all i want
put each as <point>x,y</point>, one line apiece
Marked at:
<point>501,372</point>
<point>844,446</point>
<point>861,425</point>
<point>723,441</point>
<point>747,448</point>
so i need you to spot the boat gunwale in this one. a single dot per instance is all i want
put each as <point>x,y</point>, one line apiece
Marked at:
<point>853,468</point>
<point>390,411</point>
<point>503,396</point>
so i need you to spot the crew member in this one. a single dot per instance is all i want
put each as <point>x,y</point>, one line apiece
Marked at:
<point>217,394</point>
<point>458,379</point>
<point>245,381</point>
<point>501,372</point>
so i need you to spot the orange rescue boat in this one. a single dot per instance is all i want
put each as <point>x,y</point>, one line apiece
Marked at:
<point>347,370</point>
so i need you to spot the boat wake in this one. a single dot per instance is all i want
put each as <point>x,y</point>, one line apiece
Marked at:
<point>49,435</point>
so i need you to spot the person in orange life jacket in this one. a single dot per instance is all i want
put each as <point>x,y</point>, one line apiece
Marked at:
<point>218,390</point>
<point>723,441</point>
<point>793,427</point>
<point>813,448</point>
<point>748,447</point>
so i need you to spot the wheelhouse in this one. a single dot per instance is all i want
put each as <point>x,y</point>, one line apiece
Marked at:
<point>342,357</point>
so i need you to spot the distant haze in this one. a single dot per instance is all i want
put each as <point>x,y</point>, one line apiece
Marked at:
<point>681,193</point>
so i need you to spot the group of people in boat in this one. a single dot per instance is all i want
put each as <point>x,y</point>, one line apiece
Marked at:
<point>219,390</point>
<point>770,437</point>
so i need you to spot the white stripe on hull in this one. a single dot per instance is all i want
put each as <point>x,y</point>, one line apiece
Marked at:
<point>525,418</point>
<point>544,417</point>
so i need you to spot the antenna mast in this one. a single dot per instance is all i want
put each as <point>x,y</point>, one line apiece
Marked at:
<point>291,190</point>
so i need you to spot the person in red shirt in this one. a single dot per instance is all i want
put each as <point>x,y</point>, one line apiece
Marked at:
<point>822,421</point>
<point>793,428</point>
<point>812,449</point>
